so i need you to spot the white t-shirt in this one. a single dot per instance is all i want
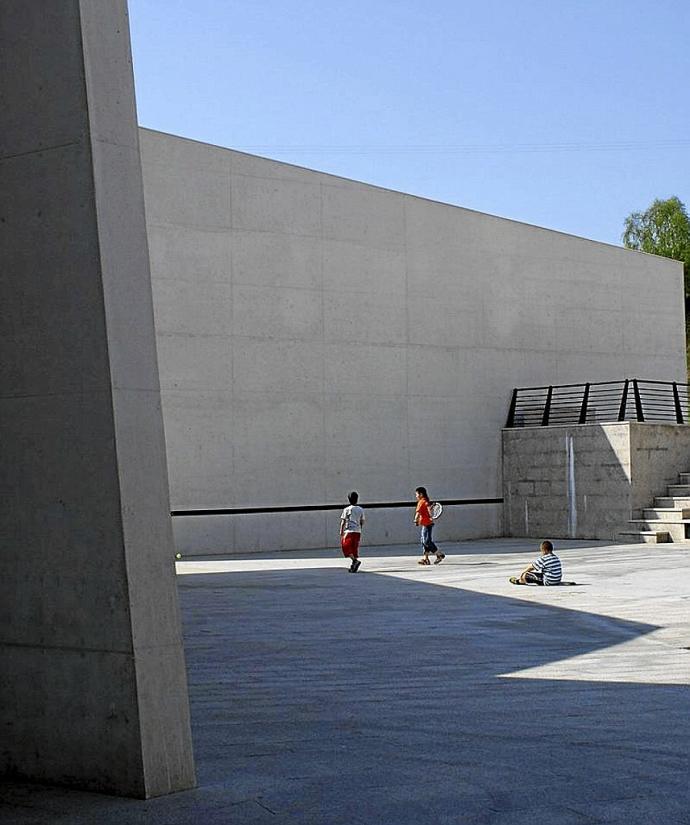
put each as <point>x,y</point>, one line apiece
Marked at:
<point>352,516</point>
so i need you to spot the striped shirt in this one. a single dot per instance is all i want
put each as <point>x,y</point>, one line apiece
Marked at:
<point>550,566</point>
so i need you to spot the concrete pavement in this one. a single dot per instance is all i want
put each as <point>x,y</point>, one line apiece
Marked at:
<point>417,695</point>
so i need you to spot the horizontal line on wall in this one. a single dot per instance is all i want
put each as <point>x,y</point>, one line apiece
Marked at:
<point>304,508</point>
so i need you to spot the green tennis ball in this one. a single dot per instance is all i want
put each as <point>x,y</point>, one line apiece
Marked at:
<point>178,555</point>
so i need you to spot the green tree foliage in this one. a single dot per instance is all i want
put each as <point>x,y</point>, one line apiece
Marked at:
<point>663,229</point>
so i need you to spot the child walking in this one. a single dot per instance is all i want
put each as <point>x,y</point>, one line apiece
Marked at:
<point>422,518</point>
<point>351,523</point>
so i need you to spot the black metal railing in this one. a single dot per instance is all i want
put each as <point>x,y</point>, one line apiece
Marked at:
<point>596,402</point>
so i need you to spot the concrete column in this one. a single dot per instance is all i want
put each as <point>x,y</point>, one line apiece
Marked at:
<point>93,689</point>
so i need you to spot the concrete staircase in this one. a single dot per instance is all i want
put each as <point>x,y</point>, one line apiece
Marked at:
<point>667,521</point>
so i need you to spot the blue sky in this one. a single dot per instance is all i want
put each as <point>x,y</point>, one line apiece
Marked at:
<point>564,114</point>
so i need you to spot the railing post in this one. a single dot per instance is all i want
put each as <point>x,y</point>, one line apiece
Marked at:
<point>547,408</point>
<point>583,409</point>
<point>511,412</point>
<point>638,400</point>
<point>624,401</point>
<point>676,402</point>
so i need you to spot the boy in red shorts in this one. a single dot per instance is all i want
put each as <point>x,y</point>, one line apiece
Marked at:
<point>351,523</point>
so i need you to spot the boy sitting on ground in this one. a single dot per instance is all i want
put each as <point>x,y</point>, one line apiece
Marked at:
<point>545,570</point>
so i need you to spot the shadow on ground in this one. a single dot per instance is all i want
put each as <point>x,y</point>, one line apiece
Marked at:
<point>321,697</point>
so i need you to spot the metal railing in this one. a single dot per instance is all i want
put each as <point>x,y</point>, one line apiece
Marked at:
<point>589,403</point>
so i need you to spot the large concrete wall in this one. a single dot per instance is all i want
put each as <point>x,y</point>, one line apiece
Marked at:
<point>316,334</point>
<point>93,688</point>
<point>589,480</point>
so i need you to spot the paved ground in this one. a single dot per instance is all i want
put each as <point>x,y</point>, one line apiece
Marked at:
<point>426,695</point>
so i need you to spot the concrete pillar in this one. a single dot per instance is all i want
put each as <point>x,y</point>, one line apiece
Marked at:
<point>93,688</point>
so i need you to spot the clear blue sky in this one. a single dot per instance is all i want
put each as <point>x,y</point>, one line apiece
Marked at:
<point>563,113</point>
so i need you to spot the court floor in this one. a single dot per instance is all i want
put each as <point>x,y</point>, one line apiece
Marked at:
<point>444,694</point>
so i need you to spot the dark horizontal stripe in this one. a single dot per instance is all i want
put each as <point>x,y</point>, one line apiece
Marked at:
<point>306,508</point>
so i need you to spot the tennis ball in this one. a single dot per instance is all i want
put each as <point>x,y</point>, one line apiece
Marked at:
<point>178,555</point>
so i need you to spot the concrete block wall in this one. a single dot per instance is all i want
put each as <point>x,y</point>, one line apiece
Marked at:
<point>317,335</point>
<point>658,452</point>
<point>587,481</point>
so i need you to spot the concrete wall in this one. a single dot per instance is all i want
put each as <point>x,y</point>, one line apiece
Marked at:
<point>93,688</point>
<point>658,452</point>
<point>317,335</point>
<point>588,481</point>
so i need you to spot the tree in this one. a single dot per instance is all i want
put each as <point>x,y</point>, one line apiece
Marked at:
<point>663,229</point>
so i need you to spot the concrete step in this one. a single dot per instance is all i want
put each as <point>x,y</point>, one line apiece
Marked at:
<point>678,489</point>
<point>644,537</point>
<point>679,502</point>
<point>666,514</point>
<point>675,529</point>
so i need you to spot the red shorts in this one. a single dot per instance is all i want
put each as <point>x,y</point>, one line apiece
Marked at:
<point>350,544</point>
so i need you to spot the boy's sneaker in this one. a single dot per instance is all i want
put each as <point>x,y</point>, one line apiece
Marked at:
<point>424,560</point>
<point>356,564</point>
<point>440,558</point>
